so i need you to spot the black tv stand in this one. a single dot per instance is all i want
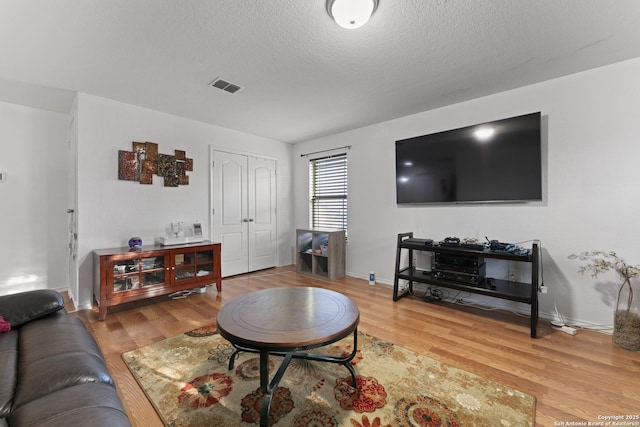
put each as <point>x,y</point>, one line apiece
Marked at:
<point>504,289</point>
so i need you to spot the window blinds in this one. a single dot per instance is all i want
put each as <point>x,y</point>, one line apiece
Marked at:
<point>328,189</point>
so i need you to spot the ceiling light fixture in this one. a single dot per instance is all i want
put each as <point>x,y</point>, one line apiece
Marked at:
<point>351,14</point>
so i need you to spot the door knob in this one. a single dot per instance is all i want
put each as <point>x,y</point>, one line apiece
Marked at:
<point>245,220</point>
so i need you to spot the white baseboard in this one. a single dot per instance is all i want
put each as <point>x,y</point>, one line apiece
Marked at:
<point>516,307</point>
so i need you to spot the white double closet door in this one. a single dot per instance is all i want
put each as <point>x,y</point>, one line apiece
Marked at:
<point>244,211</point>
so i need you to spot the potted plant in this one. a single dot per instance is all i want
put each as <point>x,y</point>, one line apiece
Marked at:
<point>626,325</point>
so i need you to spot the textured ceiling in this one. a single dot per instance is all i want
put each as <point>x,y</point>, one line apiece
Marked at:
<point>302,75</point>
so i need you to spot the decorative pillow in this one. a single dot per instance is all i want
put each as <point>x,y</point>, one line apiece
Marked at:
<point>24,307</point>
<point>4,325</point>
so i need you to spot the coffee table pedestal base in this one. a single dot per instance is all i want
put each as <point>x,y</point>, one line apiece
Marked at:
<point>267,388</point>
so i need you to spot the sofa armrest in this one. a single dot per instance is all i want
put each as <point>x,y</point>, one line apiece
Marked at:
<point>24,307</point>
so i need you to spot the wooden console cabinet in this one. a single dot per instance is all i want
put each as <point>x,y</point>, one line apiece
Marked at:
<point>122,275</point>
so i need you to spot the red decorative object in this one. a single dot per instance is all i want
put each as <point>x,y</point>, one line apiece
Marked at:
<point>151,151</point>
<point>128,166</point>
<point>205,390</point>
<point>424,411</point>
<point>203,331</point>
<point>144,161</point>
<point>344,351</point>
<point>315,418</point>
<point>366,423</point>
<point>281,405</point>
<point>141,149</point>
<point>370,397</point>
<point>4,325</point>
<point>250,369</point>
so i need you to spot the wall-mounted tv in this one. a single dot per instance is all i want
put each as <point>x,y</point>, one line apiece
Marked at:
<point>498,161</point>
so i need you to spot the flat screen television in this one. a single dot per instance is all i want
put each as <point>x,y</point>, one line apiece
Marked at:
<point>492,162</point>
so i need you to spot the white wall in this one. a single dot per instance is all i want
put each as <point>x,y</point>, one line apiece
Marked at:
<point>33,219</point>
<point>110,211</point>
<point>591,196</point>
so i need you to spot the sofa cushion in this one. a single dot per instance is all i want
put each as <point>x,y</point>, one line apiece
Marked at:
<point>94,404</point>
<point>18,309</point>
<point>8,370</point>
<point>56,353</point>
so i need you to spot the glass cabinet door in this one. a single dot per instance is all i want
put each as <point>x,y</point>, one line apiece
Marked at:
<point>204,263</point>
<point>183,263</point>
<point>191,264</point>
<point>126,275</point>
<point>132,274</point>
<point>152,271</point>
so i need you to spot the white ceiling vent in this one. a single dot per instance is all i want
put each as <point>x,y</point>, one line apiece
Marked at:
<point>225,85</point>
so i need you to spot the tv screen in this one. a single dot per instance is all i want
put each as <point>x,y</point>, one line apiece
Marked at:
<point>498,161</point>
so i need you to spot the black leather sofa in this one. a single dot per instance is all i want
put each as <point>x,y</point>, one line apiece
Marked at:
<point>52,372</point>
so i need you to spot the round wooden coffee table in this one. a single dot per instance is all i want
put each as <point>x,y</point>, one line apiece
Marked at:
<point>285,321</point>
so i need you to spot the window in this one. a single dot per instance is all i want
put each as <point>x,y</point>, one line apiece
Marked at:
<point>328,189</point>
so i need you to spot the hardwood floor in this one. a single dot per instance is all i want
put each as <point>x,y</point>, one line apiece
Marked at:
<point>574,378</point>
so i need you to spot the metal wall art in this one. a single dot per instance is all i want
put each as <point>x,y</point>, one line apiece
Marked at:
<point>144,161</point>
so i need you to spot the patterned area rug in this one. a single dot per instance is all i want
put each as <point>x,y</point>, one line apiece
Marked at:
<point>188,382</point>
